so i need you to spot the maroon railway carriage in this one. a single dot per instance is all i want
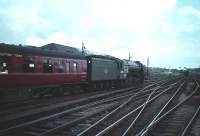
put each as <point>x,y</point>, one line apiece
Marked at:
<point>29,66</point>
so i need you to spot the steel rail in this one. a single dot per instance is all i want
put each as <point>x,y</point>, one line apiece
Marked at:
<point>68,103</point>
<point>59,114</point>
<point>69,110</point>
<point>172,109</point>
<point>161,111</point>
<point>130,113</point>
<point>68,123</point>
<point>140,112</point>
<point>72,122</point>
<point>186,129</point>
<point>65,112</point>
<point>58,128</point>
<point>118,108</point>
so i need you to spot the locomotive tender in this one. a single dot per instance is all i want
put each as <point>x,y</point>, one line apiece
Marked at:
<point>59,65</point>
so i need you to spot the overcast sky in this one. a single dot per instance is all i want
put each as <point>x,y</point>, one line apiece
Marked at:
<point>166,31</point>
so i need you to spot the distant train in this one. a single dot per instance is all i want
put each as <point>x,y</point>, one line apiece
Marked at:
<point>59,65</point>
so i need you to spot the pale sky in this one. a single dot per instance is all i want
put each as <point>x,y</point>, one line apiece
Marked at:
<point>166,31</point>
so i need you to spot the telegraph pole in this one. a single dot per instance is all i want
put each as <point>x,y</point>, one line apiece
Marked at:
<point>83,48</point>
<point>129,56</point>
<point>148,68</point>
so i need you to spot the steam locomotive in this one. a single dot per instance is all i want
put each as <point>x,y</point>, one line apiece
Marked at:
<point>58,65</point>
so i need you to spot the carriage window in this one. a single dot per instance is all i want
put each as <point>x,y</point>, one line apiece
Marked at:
<point>29,66</point>
<point>75,67</point>
<point>48,66</point>
<point>3,67</point>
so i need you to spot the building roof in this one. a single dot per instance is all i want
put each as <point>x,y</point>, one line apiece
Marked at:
<point>31,50</point>
<point>61,48</point>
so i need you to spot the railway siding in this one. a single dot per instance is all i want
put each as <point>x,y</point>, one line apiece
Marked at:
<point>165,108</point>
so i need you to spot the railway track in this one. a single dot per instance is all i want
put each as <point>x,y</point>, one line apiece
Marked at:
<point>18,109</point>
<point>25,104</point>
<point>193,126</point>
<point>80,126</point>
<point>116,121</point>
<point>58,104</point>
<point>182,119</point>
<point>171,112</point>
<point>21,104</point>
<point>8,106</point>
<point>68,117</point>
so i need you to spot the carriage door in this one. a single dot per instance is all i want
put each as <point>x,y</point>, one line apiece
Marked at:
<point>67,67</point>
